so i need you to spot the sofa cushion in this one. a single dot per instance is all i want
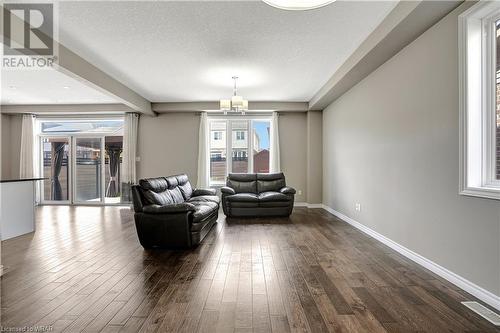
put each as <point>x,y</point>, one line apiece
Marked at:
<point>241,204</point>
<point>273,196</point>
<point>271,204</point>
<point>270,182</point>
<point>157,185</point>
<point>172,182</point>
<point>205,198</point>
<point>203,210</point>
<point>242,182</point>
<point>185,186</point>
<point>176,195</point>
<point>161,198</point>
<point>243,197</point>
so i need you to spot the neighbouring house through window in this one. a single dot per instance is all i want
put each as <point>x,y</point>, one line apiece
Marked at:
<point>242,138</point>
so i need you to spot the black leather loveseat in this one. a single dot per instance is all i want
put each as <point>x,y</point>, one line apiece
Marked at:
<point>170,213</point>
<point>257,194</point>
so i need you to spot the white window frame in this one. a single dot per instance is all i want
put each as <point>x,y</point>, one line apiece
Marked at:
<point>477,82</point>
<point>229,131</point>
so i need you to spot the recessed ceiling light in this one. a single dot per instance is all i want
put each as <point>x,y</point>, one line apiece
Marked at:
<point>298,4</point>
<point>66,87</point>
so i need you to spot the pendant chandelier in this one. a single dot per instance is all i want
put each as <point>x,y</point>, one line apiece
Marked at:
<point>236,103</point>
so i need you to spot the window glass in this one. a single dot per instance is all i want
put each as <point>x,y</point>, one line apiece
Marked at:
<point>218,167</point>
<point>83,126</point>
<point>239,146</point>
<point>55,167</point>
<point>260,149</point>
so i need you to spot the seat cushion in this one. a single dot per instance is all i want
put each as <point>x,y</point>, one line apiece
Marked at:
<point>204,210</point>
<point>241,204</point>
<point>273,196</point>
<point>205,198</point>
<point>243,197</point>
<point>275,204</point>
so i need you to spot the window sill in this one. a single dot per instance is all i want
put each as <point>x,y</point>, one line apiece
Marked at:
<point>482,192</point>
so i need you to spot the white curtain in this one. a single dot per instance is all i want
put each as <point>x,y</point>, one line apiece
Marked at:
<point>128,172</point>
<point>28,166</point>
<point>203,149</point>
<point>275,145</point>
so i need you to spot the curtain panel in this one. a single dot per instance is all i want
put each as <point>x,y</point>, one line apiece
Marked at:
<point>203,152</point>
<point>274,154</point>
<point>128,172</point>
<point>28,166</point>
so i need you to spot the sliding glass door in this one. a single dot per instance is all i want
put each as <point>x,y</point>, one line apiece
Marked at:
<point>88,170</point>
<point>81,169</point>
<point>81,158</point>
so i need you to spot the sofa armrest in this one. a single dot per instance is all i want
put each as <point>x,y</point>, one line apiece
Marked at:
<point>227,190</point>
<point>287,190</point>
<point>175,208</point>
<point>200,191</point>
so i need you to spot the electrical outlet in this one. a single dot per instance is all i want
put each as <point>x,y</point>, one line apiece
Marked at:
<point>358,207</point>
<point>299,192</point>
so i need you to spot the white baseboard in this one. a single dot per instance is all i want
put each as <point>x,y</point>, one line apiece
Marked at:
<point>308,205</point>
<point>314,206</point>
<point>473,289</point>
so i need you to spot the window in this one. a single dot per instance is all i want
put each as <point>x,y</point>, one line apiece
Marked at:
<point>240,135</point>
<point>217,136</point>
<point>480,100</point>
<point>240,146</point>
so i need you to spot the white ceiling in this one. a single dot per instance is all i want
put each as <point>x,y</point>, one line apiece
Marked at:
<point>175,51</point>
<point>188,50</point>
<point>47,86</point>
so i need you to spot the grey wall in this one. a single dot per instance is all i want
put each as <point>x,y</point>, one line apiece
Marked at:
<point>314,157</point>
<point>391,143</point>
<point>293,151</point>
<point>168,144</point>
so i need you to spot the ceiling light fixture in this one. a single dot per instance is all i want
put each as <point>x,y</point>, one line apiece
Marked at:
<point>66,87</point>
<point>298,4</point>
<point>236,103</point>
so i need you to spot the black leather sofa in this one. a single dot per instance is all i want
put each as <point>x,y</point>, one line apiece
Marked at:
<point>169,213</point>
<point>257,194</point>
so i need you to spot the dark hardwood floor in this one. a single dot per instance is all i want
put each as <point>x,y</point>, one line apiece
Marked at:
<point>84,270</point>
